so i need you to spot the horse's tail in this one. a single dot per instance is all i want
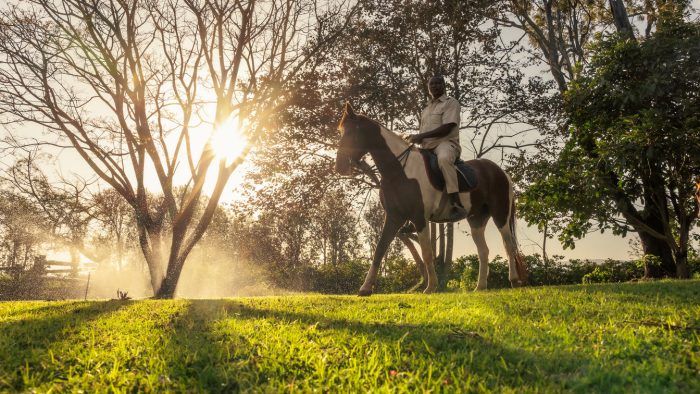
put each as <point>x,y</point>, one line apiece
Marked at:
<point>512,245</point>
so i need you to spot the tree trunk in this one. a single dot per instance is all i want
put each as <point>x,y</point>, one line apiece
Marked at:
<point>544,242</point>
<point>14,263</point>
<point>169,284</point>
<point>659,248</point>
<point>150,242</point>
<point>74,261</point>
<point>682,269</point>
<point>622,22</point>
<point>444,274</point>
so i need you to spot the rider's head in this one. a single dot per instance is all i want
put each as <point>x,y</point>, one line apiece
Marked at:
<point>436,86</point>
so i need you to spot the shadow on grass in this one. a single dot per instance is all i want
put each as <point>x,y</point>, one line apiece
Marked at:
<point>193,355</point>
<point>40,307</point>
<point>25,342</point>
<point>200,360</point>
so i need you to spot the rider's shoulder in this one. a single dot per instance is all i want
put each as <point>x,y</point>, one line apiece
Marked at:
<point>449,100</point>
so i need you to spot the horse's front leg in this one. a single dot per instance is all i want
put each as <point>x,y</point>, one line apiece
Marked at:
<point>391,226</point>
<point>426,249</point>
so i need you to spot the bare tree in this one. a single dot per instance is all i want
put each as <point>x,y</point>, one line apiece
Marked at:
<point>126,85</point>
<point>21,232</point>
<point>62,204</point>
<point>116,231</point>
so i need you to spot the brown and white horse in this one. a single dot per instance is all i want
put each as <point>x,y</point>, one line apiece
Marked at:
<point>408,195</point>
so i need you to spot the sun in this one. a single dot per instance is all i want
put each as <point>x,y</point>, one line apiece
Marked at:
<point>228,140</point>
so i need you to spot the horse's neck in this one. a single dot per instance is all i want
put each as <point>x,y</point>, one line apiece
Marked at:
<point>387,160</point>
<point>396,144</point>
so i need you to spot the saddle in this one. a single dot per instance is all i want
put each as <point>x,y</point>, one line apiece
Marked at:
<point>466,176</point>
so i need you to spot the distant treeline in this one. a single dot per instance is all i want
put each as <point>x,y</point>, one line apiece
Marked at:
<point>399,274</point>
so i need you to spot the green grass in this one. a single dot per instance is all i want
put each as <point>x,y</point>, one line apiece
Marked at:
<point>640,337</point>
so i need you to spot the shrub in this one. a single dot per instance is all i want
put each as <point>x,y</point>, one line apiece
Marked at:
<point>598,275</point>
<point>466,268</point>
<point>345,278</point>
<point>399,274</point>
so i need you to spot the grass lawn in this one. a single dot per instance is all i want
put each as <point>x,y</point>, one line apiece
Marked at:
<point>636,337</point>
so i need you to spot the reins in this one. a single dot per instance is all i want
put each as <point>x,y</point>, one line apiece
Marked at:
<point>404,154</point>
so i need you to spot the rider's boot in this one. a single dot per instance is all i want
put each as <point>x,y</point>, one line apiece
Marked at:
<point>458,212</point>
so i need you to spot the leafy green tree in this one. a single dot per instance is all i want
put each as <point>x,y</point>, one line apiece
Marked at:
<point>560,35</point>
<point>634,145</point>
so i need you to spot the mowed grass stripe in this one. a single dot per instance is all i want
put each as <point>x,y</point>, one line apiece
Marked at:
<point>637,337</point>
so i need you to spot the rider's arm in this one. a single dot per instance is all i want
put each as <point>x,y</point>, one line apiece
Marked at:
<point>438,132</point>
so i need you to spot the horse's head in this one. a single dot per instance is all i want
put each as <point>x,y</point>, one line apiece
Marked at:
<point>355,131</point>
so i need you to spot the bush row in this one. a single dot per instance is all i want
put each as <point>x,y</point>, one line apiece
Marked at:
<point>554,271</point>
<point>400,274</point>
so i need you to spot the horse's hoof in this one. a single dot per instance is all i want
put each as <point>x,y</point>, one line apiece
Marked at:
<point>515,283</point>
<point>429,289</point>
<point>480,288</point>
<point>364,293</point>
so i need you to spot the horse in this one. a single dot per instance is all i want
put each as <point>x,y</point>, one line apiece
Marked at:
<point>408,196</point>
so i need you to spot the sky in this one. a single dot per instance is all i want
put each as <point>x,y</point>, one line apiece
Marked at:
<point>593,246</point>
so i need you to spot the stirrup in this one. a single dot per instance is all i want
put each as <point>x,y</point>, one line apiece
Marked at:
<point>457,213</point>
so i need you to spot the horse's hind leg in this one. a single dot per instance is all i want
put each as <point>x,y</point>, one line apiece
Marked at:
<point>478,226</point>
<point>407,240</point>
<point>427,252</point>
<point>389,230</point>
<point>509,243</point>
<point>505,221</point>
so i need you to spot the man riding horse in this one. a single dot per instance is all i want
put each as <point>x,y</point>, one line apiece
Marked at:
<point>439,132</point>
<point>409,193</point>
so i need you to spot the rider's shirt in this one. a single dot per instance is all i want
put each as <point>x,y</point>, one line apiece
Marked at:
<point>440,111</point>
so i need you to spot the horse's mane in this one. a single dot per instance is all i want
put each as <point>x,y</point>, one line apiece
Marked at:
<point>360,118</point>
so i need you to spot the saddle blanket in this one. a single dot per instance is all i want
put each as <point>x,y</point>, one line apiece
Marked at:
<point>466,176</point>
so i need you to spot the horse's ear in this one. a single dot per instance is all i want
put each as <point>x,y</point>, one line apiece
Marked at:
<point>348,110</point>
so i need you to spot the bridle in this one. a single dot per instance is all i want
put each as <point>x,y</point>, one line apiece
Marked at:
<point>402,157</point>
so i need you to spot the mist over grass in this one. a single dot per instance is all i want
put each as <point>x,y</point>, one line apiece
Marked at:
<point>208,273</point>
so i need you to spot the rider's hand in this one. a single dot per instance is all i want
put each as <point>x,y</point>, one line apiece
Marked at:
<point>413,138</point>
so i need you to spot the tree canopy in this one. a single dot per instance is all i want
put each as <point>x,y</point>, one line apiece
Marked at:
<point>633,148</point>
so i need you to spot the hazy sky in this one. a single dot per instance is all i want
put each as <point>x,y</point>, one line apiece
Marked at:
<point>594,246</point>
